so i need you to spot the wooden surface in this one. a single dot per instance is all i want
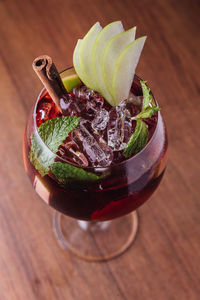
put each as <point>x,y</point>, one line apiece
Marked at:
<point>164,262</point>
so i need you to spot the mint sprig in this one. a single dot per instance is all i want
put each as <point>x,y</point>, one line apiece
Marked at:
<point>64,173</point>
<point>45,145</point>
<point>147,99</point>
<point>147,113</point>
<point>148,108</point>
<point>53,132</point>
<point>138,139</point>
<point>40,157</point>
<point>51,135</point>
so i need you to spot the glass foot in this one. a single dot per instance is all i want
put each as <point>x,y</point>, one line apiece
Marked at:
<point>95,241</point>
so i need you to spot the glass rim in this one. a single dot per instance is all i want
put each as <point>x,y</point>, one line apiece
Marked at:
<point>134,157</point>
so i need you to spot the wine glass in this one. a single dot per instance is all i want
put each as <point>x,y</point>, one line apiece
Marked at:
<point>97,220</point>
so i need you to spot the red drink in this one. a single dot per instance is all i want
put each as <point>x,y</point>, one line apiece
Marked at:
<point>121,186</point>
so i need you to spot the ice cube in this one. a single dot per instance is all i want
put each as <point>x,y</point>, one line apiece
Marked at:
<point>69,106</point>
<point>98,153</point>
<point>83,92</point>
<point>69,150</point>
<point>93,99</point>
<point>89,102</point>
<point>83,102</point>
<point>100,120</point>
<point>119,127</point>
<point>134,104</point>
<point>135,100</point>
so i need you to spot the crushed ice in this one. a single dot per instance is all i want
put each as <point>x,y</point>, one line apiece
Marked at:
<point>101,130</point>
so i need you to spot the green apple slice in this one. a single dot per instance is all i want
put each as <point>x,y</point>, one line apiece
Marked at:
<point>125,69</point>
<point>70,79</point>
<point>112,52</point>
<point>105,60</point>
<point>85,51</point>
<point>106,34</point>
<point>76,63</point>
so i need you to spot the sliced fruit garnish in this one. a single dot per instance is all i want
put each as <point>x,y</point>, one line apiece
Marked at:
<point>85,52</point>
<point>76,63</point>
<point>125,69</point>
<point>106,34</point>
<point>99,58</point>
<point>70,79</point>
<point>112,52</point>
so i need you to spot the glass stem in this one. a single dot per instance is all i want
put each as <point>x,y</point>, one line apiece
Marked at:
<point>93,226</point>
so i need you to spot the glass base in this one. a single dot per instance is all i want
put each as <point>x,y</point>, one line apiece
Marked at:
<point>95,241</point>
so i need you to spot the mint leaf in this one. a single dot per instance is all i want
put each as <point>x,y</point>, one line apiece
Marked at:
<point>149,112</point>
<point>53,132</point>
<point>140,136</point>
<point>39,155</point>
<point>147,98</point>
<point>138,139</point>
<point>37,164</point>
<point>149,108</point>
<point>65,172</point>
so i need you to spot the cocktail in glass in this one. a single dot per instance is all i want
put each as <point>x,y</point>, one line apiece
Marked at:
<point>110,193</point>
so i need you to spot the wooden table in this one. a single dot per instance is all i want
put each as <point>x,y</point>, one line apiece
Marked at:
<point>164,262</point>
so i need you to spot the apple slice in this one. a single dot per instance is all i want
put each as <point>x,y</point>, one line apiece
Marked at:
<point>70,79</point>
<point>85,51</point>
<point>76,63</point>
<point>106,34</point>
<point>125,69</point>
<point>112,52</point>
<point>105,60</point>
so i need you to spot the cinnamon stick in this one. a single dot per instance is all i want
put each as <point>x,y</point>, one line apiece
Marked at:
<point>48,74</point>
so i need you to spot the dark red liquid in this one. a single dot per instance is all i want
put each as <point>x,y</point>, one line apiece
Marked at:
<point>128,185</point>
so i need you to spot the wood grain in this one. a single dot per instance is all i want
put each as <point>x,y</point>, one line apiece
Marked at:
<point>164,262</point>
